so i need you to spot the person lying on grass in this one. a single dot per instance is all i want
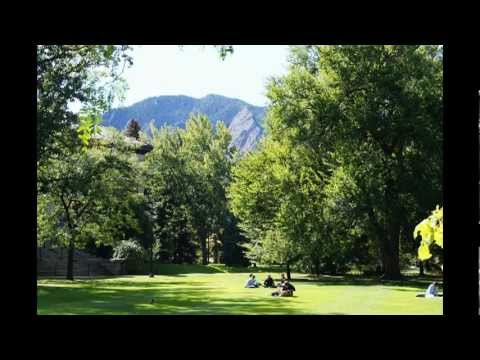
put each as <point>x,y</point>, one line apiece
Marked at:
<point>432,290</point>
<point>251,282</point>
<point>286,289</point>
<point>268,283</point>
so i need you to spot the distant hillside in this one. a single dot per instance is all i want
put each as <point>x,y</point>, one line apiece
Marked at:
<point>244,121</point>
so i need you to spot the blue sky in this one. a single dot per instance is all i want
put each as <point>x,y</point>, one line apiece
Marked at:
<point>198,71</point>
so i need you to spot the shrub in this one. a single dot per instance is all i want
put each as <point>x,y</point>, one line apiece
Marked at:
<point>128,250</point>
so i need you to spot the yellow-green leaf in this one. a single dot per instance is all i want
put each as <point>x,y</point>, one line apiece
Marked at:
<point>424,252</point>
<point>438,237</point>
<point>431,231</point>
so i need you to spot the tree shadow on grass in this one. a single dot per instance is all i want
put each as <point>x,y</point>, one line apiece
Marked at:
<point>106,282</point>
<point>164,301</point>
<point>353,280</point>
<point>408,290</point>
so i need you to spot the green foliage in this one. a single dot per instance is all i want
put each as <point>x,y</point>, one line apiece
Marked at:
<point>87,128</point>
<point>354,137</point>
<point>128,250</point>
<point>186,176</point>
<point>67,74</point>
<point>431,231</point>
<point>49,222</point>
<point>266,194</point>
<point>85,193</point>
<point>91,188</point>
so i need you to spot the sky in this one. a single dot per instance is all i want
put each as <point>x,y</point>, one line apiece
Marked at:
<point>197,71</point>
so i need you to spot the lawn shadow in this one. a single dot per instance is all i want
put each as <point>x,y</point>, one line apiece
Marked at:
<point>407,281</point>
<point>179,300</point>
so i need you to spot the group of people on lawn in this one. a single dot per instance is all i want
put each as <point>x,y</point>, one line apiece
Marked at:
<point>284,288</point>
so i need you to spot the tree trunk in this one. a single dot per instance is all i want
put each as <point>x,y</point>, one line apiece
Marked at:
<point>391,240</point>
<point>208,250</point>
<point>317,267</point>
<point>203,247</point>
<point>204,253</point>
<point>422,270</point>
<point>390,255</point>
<point>289,278</point>
<point>215,251</point>
<point>71,249</point>
<point>151,260</point>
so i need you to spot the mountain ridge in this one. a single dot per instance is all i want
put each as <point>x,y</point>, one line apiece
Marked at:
<point>245,121</point>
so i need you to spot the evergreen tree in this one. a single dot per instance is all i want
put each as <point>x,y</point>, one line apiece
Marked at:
<point>133,129</point>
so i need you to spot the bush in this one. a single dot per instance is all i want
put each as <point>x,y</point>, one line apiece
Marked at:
<point>132,253</point>
<point>128,250</point>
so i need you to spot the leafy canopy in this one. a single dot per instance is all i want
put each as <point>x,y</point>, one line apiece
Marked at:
<point>431,231</point>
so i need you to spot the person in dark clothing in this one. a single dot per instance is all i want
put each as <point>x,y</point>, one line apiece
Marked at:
<point>289,286</point>
<point>285,289</point>
<point>268,283</point>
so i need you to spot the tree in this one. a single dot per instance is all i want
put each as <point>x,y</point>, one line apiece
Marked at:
<point>86,189</point>
<point>133,129</point>
<point>86,74</point>
<point>187,173</point>
<point>232,239</point>
<point>209,158</point>
<point>278,248</point>
<point>90,192</point>
<point>66,74</point>
<point>275,198</point>
<point>167,184</point>
<point>377,111</point>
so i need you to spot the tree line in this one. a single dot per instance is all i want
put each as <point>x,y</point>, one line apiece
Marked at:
<point>351,161</point>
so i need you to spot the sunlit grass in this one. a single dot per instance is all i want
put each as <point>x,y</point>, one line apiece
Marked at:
<point>216,291</point>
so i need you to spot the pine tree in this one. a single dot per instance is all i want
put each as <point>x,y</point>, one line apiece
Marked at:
<point>133,129</point>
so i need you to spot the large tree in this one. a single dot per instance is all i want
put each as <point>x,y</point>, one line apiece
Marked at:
<point>84,193</point>
<point>167,183</point>
<point>276,196</point>
<point>378,111</point>
<point>188,171</point>
<point>89,75</point>
<point>209,160</point>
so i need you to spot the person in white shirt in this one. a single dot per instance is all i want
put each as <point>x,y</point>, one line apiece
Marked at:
<point>251,282</point>
<point>432,290</point>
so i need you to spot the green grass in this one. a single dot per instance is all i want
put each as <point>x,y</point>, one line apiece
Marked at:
<point>216,289</point>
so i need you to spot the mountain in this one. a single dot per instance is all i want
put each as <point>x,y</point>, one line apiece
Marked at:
<point>244,121</point>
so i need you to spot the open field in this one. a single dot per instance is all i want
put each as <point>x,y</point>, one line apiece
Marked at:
<point>218,290</point>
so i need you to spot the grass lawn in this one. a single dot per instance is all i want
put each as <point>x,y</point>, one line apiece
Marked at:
<point>217,289</point>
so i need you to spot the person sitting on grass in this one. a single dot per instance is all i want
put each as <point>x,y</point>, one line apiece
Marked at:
<point>280,284</point>
<point>432,290</point>
<point>268,283</point>
<point>285,289</point>
<point>251,282</point>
